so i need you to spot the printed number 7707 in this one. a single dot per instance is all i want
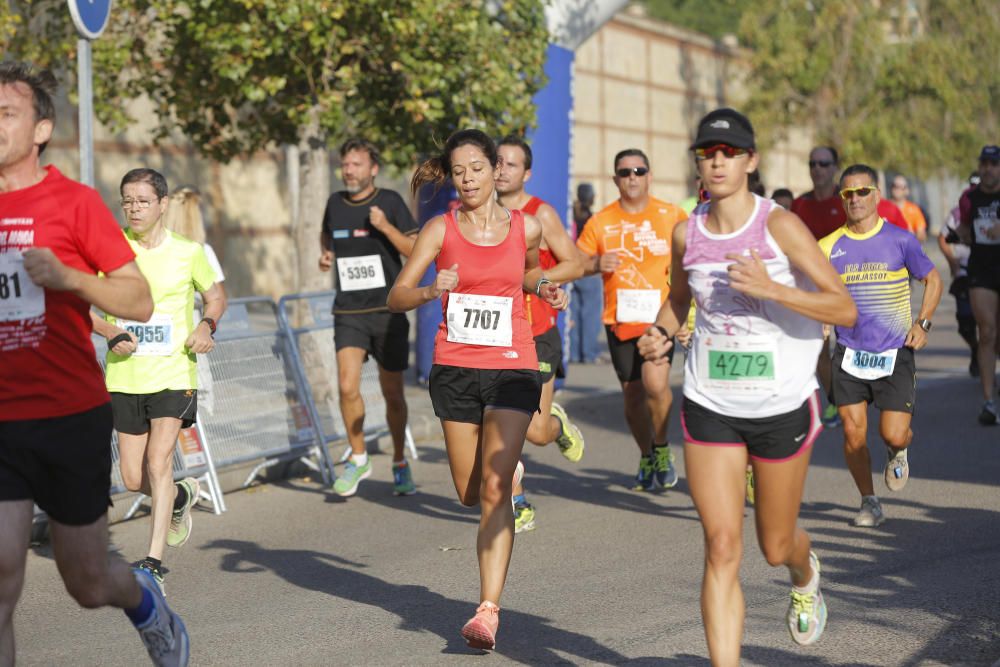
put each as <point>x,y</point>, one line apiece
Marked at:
<point>481,319</point>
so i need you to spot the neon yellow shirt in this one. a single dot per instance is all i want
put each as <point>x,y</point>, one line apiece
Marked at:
<point>174,269</point>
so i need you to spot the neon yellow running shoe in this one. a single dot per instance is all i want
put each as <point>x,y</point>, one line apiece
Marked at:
<point>750,485</point>
<point>807,611</point>
<point>570,440</point>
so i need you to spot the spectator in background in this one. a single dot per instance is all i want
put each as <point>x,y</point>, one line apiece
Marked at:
<point>783,197</point>
<point>957,254</point>
<point>698,197</point>
<point>587,300</point>
<point>183,216</point>
<point>755,184</point>
<point>914,216</point>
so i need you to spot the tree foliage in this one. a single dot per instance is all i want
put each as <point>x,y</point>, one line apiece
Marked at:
<point>236,75</point>
<point>903,85</point>
<point>720,18</point>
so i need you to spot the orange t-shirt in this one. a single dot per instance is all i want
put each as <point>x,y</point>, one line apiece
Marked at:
<point>914,216</point>
<point>642,241</point>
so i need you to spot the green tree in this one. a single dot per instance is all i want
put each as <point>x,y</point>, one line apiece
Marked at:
<point>902,84</point>
<point>720,18</point>
<point>236,76</point>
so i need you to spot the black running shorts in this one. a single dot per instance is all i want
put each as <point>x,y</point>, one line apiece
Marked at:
<point>385,336</point>
<point>462,394</point>
<point>63,464</point>
<point>625,356</point>
<point>897,393</point>
<point>988,278</point>
<point>549,349</point>
<point>776,438</point>
<point>133,412</point>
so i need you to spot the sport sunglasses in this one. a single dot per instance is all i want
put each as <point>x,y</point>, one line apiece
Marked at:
<point>705,152</point>
<point>625,172</point>
<point>862,191</point>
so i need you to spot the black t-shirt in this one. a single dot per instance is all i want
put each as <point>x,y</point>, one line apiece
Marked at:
<point>365,261</point>
<point>982,210</point>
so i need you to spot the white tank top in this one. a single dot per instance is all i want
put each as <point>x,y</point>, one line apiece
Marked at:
<point>749,357</point>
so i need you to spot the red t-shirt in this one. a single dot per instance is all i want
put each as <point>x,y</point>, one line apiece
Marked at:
<point>541,315</point>
<point>823,216</point>
<point>484,315</point>
<point>48,367</point>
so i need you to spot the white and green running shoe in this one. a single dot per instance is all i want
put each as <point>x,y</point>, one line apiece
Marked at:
<point>664,471</point>
<point>524,517</point>
<point>347,484</point>
<point>180,522</point>
<point>569,440</point>
<point>807,611</point>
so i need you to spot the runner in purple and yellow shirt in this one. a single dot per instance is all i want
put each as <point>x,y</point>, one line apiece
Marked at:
<point>874,359</point>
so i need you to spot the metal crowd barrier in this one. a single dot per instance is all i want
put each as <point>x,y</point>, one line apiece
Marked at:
<point>308,319</point>
<point>257,407</point>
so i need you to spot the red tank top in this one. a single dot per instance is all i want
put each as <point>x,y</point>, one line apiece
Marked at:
<point>541,315</point>
<point>487,302</point>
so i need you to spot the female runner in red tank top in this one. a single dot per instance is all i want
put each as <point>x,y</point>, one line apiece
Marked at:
<point>484,384</point>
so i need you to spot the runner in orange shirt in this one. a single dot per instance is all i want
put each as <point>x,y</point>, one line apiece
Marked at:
<point>628,242</point>
<point>912,213</point>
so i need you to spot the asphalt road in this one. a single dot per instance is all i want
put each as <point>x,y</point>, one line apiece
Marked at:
<point>292,575</point>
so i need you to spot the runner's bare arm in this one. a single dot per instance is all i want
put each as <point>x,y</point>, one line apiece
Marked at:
<point>403,243</point>
<point>549,292</point>
<point>200,341</point>
<point>123,292</point>
<point>405,293</point>
<point>916,337</point>
<point>830,304</point>
<point>569,267</point>
<point>326,256</point>
<point>654,344</point>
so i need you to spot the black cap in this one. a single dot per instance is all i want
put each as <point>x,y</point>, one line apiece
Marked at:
<point>724,126</point>
<point>991,153</point>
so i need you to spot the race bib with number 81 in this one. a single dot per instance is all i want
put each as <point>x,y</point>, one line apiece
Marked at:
<point>20,299</point>
<point>476,319</point>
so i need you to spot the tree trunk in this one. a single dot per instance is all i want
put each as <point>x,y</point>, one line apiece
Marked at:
<point>314,171</point>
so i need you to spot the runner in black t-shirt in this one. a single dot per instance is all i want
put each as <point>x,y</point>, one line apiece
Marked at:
<point>980,227</point>
<point>365,231</point>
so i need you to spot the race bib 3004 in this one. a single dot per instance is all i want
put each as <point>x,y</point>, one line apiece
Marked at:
<point>637,305</point>
<point>358,273</point>
<point>155,337</point>
<point>868,365</point>
<point>476,319</point>
<point>737,364</point>
<point>20,299</point>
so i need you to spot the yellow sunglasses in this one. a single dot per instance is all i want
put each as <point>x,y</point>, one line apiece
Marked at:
<point>862,191</point>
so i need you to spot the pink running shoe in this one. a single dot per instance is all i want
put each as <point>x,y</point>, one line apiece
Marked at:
<point>481,630</point>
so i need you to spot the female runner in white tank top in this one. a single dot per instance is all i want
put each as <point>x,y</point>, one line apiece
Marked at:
<point>762,286</point>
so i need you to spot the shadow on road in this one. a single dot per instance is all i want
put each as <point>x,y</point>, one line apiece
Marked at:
<point>523,637</point>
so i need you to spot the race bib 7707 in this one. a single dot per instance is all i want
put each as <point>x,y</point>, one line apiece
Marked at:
<point>476,319</point>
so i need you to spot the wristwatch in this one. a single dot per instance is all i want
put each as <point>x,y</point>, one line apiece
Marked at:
<point>211,325</point>
<point>924,324</point>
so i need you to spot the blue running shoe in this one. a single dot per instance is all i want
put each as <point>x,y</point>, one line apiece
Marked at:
<point>644,479</point>
<point>164,635</point>
<point>664,471</point>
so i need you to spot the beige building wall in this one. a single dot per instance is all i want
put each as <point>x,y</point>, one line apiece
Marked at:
<point>642,83</point>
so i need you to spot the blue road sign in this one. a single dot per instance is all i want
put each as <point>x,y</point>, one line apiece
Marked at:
<point>90,16</point>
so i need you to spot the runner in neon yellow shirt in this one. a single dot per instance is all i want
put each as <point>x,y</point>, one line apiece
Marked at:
<point>151,366</point>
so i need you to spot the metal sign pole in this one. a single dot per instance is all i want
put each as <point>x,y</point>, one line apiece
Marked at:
<point>85,91</point>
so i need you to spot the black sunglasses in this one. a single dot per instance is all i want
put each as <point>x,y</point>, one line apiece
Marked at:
<point>820,163</point>
<point>625,172</point>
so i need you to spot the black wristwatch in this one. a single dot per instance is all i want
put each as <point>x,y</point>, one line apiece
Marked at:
<point>924,324</point>
<point>211,325</point>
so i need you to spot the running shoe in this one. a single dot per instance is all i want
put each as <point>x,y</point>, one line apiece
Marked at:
<point>988,415</point>
<point>750,486</point>
<point>644,480</point>
<point>518,476</point>
<point>164,634</point>
<point>524,517</point>
<point>807,611</point>
<point>569,440</point>
<point>347,484</point>
<point>180,522</point>
<point>481,630</point>
<point>897,469</point>
<point>153,571</point>
<point>402,480</point>
<point>830,418</point>
<point>664,471</point>
<point>870,515</point>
